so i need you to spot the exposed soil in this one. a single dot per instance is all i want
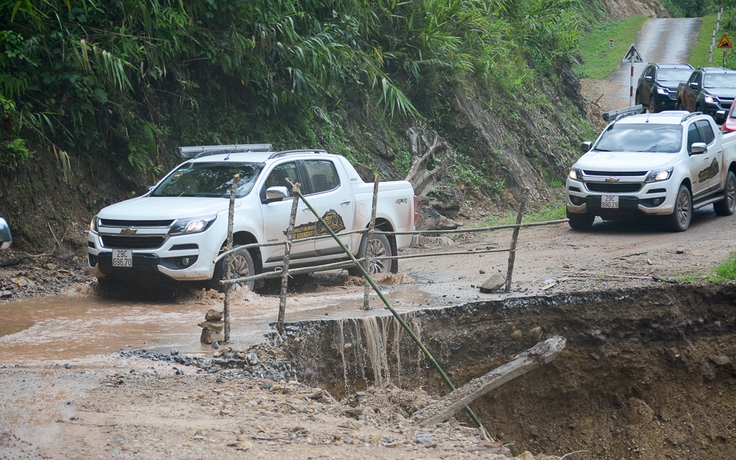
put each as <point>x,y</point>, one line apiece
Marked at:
<point>647,372</point>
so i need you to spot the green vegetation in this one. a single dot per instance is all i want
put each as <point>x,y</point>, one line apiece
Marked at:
<point>129,80</point>
<point>725,272</point>
<point>598,58</point>
<point>554,210</point>
<point>700,52</point>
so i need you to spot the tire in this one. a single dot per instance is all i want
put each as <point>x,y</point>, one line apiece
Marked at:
<point>380,246</point>
<point>652,105</point>
<point>727,206</point>
<point>580,221</point>
<point>680,218</point>
<point>241,266</point>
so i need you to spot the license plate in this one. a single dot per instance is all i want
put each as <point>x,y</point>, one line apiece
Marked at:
<point>122,258</point>
<point>609,201</point>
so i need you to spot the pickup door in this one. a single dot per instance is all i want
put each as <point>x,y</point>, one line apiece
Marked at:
<point>332,199</point>
<point>705,167</point>
<point>690,91</point>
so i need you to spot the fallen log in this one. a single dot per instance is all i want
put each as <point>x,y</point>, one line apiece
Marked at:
<point>445,407</point>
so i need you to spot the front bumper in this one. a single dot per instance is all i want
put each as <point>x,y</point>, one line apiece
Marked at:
<point>651,200</point>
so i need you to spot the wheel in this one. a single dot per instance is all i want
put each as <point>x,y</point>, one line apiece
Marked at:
<point>380,247</point>
<point>241,265</point>
<point>652,106</point>
<point>679,220</point>
<point>580,221</point>
<point>727,206</point>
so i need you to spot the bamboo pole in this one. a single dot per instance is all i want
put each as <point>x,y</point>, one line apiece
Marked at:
<point>287,254</point>
<point>514,237</point>
<point>369,245</point>
<point>396,315</point>
<point>229,260</point>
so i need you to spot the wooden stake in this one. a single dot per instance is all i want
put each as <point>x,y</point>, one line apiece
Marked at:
<point>295,189</point>
<point>514,237</point>
<point>229,260</point>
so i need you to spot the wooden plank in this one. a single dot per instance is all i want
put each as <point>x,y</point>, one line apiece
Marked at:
<point>445,407</point>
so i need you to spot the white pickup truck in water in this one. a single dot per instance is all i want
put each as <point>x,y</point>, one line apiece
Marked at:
<point>178,228</point>
<point>665,164</point>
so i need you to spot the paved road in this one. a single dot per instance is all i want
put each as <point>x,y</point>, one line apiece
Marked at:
<point>660,40</point>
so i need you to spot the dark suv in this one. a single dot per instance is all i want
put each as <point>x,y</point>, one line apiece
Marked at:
<point>657,87</point>
<point>709,90</point>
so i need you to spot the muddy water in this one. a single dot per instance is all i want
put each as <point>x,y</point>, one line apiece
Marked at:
<point>86,328</point>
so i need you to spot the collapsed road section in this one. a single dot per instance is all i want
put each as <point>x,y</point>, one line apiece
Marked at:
<point>647,373</point>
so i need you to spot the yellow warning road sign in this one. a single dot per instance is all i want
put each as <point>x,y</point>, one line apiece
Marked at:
<point>725,43</point>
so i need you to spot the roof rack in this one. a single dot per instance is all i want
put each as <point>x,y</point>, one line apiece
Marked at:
<point>295,152</point>
<point>690,115</point>
<point>616,114</point>
<point>204,150</point>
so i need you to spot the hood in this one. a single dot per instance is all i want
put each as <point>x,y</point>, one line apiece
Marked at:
<point>669,84</point>
<point>162,208</point>
<point>623,161</point>
<point>728,93</point>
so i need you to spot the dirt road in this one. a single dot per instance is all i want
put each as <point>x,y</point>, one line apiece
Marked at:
<point>660,40</point>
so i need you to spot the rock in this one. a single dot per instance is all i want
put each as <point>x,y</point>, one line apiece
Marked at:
<point>721,360</point>
<point>637,412</point>
<point>516,335</point>
<point>493,284</point>
<point>526,455</point>
<point>354,412</point>
<point>215,314</point>
<point>536,334</point>
<point>426,440</point>
<point>252,359</point>
<point>6,293</point>
<point>680,251</point>
<point>20,281</point>
<point>52,266</point>
<point>174,351</point>
<point>214,326</point>
<point>211,336</point>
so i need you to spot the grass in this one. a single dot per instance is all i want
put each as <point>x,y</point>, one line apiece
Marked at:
<point>598,58</point>
<point>699,53</point>
<point>554,210</point>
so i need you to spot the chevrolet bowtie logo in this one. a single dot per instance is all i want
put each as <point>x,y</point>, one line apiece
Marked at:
<point>128,231</point>
<point>611,179</point>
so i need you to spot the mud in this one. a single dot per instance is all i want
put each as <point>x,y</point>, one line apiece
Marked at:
<point>647,373</point>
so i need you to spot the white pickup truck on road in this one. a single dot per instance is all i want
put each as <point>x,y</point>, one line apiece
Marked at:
<point>666,164</point>
<point>178,228</point>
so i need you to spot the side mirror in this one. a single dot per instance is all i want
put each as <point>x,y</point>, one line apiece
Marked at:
<point>698,147</point>
<point>648,78</point>
<point>5,238</point>
<point>585,146</point>
<point>694,85</point>
<point>276,193</point>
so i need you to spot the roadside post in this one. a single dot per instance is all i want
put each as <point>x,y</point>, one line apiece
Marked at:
<point>228,261</point>
<point>724,44</point>
<point>632,56</point>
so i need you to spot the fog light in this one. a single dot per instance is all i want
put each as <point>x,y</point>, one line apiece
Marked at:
<point>185,262</point>
<point>657,201</point>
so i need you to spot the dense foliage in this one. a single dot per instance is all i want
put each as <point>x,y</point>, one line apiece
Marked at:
<point>126,78</point>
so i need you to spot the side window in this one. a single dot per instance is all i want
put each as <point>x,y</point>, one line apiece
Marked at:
<point>322,175</point>
<point>699,78</point>
<point>693,135</point>
<point>651,72</point>
<point>706,131</point>
<point>278,177</point>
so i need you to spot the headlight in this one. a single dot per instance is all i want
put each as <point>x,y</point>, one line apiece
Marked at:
<point>657,176</point>
<point>93,224</point>
<point>663,91</point>
<point>196,225</point>
<point>709,99</point>
<point>575,174</point>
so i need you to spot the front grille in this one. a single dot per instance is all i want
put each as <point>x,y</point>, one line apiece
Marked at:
<point>132,242</point>
<point>614,174</point>
<point>612,187</point>
<point>135,223</point>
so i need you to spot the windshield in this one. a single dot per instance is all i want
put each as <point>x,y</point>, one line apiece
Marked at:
<point>640,138</point>
<point>720,80</point>
<point>209,180</point>
<point>674,74</point>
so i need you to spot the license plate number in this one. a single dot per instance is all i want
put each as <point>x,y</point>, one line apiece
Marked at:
<point>122,258</point>
<point>609,201</point>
